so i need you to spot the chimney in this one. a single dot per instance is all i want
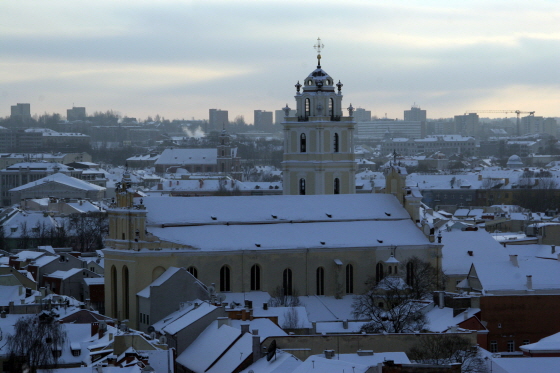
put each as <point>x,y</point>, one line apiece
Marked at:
<point>257,351</point>
<point>345,324</point>
<point>441,298</point>
<point>553,248</point>
<point>265,306</point>
<point>224,320</point>
<point>244,328</point>
<point>439,237</point>
<point>529,282</point>
<point>513,260</point>
<point>329,354</point>
<point>466,315</point>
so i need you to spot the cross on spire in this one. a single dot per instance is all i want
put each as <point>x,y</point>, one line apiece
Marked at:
<point>318,48</point>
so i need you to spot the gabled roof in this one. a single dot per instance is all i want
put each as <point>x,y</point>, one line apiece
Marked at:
<point>62,179</point>
<point>187,156</point>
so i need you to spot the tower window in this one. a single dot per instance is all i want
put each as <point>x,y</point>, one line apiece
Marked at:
<point>320,281</point>
<point>307,107</point>
<point>256,277</point>
<point>302,143</point>
<point>331,106</point>
<point>302,187</point>
<point>336,143</point>
<point>287,281</point>
<point>225,283</point>
<point>337,186</point>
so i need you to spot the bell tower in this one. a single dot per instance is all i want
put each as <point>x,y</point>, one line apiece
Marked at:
<point>319,139</point>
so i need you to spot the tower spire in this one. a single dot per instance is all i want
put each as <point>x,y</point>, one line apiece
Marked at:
<point>318,48</point>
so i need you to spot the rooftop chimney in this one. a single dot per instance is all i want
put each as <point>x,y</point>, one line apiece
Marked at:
<point>329,354</point>
<point>529,282</point>
<point>224,320</point>
<point>441,299</point>
<point>244,328</point>
<point>513,260</point>
<point>553,248</point>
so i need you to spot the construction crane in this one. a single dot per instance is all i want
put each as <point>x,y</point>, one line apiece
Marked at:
<point>518,112</point>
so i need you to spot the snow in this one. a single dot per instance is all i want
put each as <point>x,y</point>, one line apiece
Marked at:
<point>61,179</point>
<point>441,319</point>
<point>65,274</point>
<point>284,362</point>
<point>300,314</point>
<point>234,356</point>
<point>192,315</point>
<point>265,327</point>
<point>94,281</point>
<point>328,308</point>
<point>550,344</point>
<point>187,156</point>
<point>145,293</point>
<point>524,365</point>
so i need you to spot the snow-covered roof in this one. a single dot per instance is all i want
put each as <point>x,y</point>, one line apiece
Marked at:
<point>187,156</point>
<point>193,314</point>
<point>441,319</point>
<point>65,274</point>
<point>60,178</point>
<point>284,362</point>
<point>550,344</point>
<point>145,293</point>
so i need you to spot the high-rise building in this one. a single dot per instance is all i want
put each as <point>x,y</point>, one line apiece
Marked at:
<point>217,120</point>
<point>21,111</point>
<point>319,140</point>
<point>263,121</point>
<point>76,113</point>
<point>415,114</point>
<point>362,115</point>
<point>467,125</point>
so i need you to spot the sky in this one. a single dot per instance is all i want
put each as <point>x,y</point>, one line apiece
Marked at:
<point>180,58</point>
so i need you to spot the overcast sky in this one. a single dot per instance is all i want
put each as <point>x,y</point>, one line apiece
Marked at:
<point>181,58</point>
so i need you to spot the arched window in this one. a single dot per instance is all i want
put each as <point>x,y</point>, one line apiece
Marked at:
<point>223,152</point>
<point>225,283</point>
<point>349,279</point>
<point>125,292</point>
<point>331,106</point>
<point>256,277</point>
<point>287,282</point>
<point>337,186</point>
<point>302,186</point>
<point>307,107</point>
<point>302,143</point>
<point>114,292</point>
<point>390,270</point>
<point>336,143</point>
<point>410,274</point>
<point>223,167</point>
<point>379,272</point>
<point>320,281</point>
<point>193,271</point>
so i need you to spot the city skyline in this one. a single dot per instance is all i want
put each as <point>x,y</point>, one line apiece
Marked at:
<point>180,58</point>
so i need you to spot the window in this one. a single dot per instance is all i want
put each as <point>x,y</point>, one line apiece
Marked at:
<point>410,274</point>
<point>320,281</point>
<point>337,186</point>
<point>307,107</point>
<point>331,105</point>
<point>336,143</point>
<point>287,281</point>
<point>390,270</point>
<point>511,346</point>
<point>349,279</point>
<point>256,277</point>
<point>193,271</point>
<point>114,291</point>
<point>493,346</point>
<point>223,167</point>
<point>302,143</point>
<point>76,352</point>
<point>125,292</point>
<point>57,353</point>
<point>302,186</point>
<point>379,272</point>
<point>225,284</point>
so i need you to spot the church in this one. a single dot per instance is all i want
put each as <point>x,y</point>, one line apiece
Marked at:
<point>319,239</point>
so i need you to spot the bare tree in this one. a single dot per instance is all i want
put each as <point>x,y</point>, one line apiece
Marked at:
<point>422,277</point>
<point>89,230</point>
<point>444,349</point>
<point>291,319</point>
<point>35,343</point>
<point>279,298</point>
<point>390,306</point>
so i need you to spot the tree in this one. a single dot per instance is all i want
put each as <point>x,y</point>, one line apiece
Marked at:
<point>279,298</point>
<point>444,349</point>
<point>390,306</point>
<point>32,344</point>
<point>422,277</point>
<point>89,230</point>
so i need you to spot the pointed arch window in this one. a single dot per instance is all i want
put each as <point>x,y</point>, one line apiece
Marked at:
<point>302,186</point>
<point>287,282</point>
<point>302,143</point>
<point>307,107</point>
<point>320,281</point>
<point>193,271</point>
<point>336,145</point>
<point>379,272</point>
<point>349,279</point>
<point>336,185</point>
<point>256,277</point>
<point>225,280</point>
<point>331,106</point>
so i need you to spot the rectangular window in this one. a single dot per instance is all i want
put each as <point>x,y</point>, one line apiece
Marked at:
<point>511,346</point>
<point>493,346</point>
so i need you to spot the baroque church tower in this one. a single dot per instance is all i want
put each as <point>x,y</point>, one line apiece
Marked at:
<point>319,140</point>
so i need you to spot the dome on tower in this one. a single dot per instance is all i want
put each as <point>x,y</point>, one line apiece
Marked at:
<point>318,80</point>
<point>514,162</point>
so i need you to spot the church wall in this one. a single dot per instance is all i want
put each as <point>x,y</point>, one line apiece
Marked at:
<point>327,141</point>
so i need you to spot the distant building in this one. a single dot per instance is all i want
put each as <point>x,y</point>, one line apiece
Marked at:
<point>21,111</point>
<point>467,124</point>
<point>263,120</point>
<point>385,128</point>
<point>447,144</point>
<point>217,119</point>
<point>415,114</point>
<point>76,113</point>
<point>362,115</point>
